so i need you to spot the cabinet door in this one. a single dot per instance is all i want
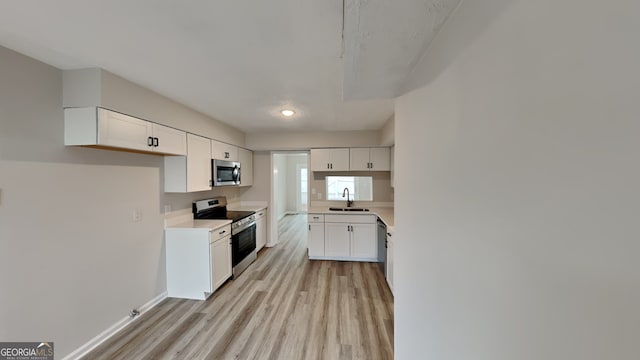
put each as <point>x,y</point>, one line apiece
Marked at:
<point>223,151</point>
<point>340,159</point>
<point>380,159</point>
<point>390,263</point>
<point>320,159</point>
<point>220,262</point>
<point>364,242</point>
<point>336,240</point>
<point>123,131</point>
<point>198,163</point>
<point>261,232</point>
<point>246,166</point>
<point>316,239</point>
<point>359,159</point>
<point>169,140</point>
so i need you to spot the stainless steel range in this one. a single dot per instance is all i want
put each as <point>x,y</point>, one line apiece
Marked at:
<point>243,230</point>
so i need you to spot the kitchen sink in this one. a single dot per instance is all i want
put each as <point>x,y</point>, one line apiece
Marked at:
<point>347,209</point>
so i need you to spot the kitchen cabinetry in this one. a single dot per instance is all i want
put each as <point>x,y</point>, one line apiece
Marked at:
<point>346,237</point>
<point>337,240</point>
<point>192,172</point>
<point>315,239</point>
<point>369,159</point>
<point>390,261</point>
<point>198,261</point>
<point>330,159</point>
<point>246,166</point>
<point>220,259</point>
<point>223,151</point>
<point>93,126</point>
<point>261,229</point>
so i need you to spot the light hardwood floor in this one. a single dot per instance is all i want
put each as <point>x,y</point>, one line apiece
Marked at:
<point>283,306</point>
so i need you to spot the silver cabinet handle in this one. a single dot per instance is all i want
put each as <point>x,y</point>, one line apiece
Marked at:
<point>222,232</point>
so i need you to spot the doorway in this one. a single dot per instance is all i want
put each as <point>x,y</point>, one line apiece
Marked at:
<point>289,186</point>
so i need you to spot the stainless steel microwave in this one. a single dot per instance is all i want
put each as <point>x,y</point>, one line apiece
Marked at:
<point>225,173</point>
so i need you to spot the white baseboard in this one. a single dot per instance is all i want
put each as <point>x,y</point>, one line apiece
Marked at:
<point>105,335</point>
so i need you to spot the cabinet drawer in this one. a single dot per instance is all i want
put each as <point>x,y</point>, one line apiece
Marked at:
<point>315,218</point>
<point>220,232</point>
<point>261,213</point>
<point>351,219</point>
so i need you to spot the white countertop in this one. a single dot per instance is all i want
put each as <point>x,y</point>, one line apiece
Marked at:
<point>384,213</point>
<point>247,206</point>
<point>200,225</point>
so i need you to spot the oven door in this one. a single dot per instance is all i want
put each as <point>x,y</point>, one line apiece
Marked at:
<point>225,173</point>
<point>243,244</point>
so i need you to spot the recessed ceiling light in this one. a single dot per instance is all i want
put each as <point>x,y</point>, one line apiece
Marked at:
<point>287,112</point>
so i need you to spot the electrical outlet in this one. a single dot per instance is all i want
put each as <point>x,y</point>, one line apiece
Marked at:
<point>136,215</point>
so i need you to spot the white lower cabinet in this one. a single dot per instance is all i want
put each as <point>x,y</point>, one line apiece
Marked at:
<point>315,240</point>
<point>343,237</point>
<point>220,261</point>
<point>261,229</point>
<point>337,237</point>
<point>364,243</point>
<point>198,261</point>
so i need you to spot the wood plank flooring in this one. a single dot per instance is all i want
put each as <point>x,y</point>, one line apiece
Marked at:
<point>283,306</point>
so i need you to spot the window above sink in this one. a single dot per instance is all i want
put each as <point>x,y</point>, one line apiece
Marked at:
<point>360,187</point>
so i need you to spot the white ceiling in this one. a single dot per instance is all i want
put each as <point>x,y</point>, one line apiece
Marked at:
<point>385,40</point>
<point>240,62</point>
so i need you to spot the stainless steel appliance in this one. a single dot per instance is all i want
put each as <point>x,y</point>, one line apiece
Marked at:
<point>225,173</point>
<point>382,247</point>
<point>243,230</point>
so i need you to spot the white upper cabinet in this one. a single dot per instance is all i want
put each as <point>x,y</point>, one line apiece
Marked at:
<point>93,126</point>
<point>246,166</point>
<point>223,151</point>
<point>169,140</point>
<point>123,131</point>
<point>330,159</point>
<point>370,159</point>
<point>192,172</point>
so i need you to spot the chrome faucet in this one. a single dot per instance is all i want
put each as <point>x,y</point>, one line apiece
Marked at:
<point>349,202</point>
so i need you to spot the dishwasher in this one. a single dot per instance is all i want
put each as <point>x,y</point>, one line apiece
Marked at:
<point>382,247</point>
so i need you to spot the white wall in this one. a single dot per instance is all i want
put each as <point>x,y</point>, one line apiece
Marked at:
<point>72,261</point>
<point>308,140</point>
<point>516,188</point>
<point>293,161</point>
<point>280,189</point>
<point>261,189</point>
<point>98,87</point>
<point>387,133</point>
